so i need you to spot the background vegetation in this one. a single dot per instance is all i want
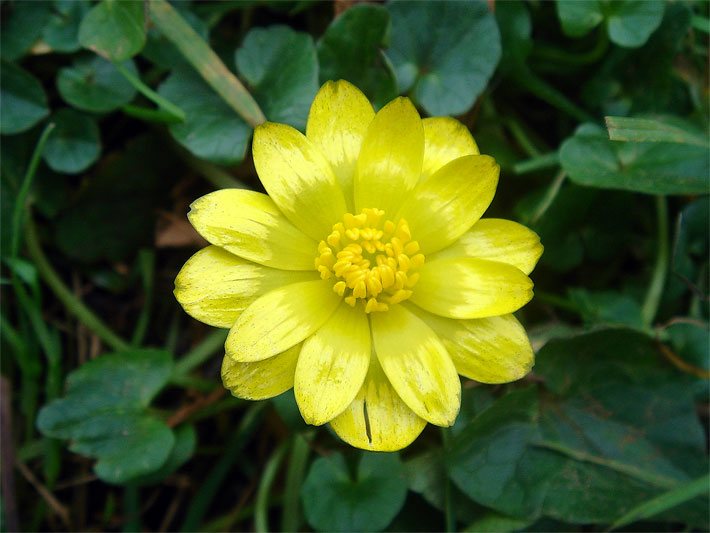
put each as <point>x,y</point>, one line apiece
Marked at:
<point>116,115</point>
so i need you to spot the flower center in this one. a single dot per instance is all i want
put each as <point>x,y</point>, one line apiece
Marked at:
<point>371,259</point>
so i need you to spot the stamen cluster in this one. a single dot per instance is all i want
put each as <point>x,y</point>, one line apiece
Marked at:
<point>372,260</point>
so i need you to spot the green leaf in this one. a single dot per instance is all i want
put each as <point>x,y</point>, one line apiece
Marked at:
<point>281,68</point>
<point>492,522</point>
<point>631,22</point>
<point>691,246</point>
<point>616,428</point>
<point>74,144</point>
<point>591,159</point>
<point>333,501</point>
<point>104,415</point>
<point>22,26</point>
<point>607,308</point>
<point>515,34</point>
<point>212,130</point>
<point>94,84</point>
<point>690,340</point>
<point>646,130</point>
<point>445,65</point>
<point>182,451</point>
<point>22,100</point>
<point>62,31</point>
<point>114,29</point>
<point>579,17</point>
<point>666,501</point>
<point>351,49</point>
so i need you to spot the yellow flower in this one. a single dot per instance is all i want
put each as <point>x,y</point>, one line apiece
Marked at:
<point>366,279</point>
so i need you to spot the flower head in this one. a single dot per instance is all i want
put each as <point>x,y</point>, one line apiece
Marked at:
<point>366,279</point>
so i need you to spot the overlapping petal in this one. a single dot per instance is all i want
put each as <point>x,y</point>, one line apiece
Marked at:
<point>298,178</point>
<point>333,365</point>
<point>445,206</point>
<point>280,319</point>
<point>488,350</point>
<point>337,124</point>
<point>499,240</point>
<point>417,365</point>
<point>215,286</point>
<point>378,419</point>
<point>390,161</point>
<point>445,139</point>
<point>249,224</point>
<point>262,379</point>
<point>471,288</point>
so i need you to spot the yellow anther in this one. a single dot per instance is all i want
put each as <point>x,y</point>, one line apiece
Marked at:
<point>373,260</point>
<point>340,288</point>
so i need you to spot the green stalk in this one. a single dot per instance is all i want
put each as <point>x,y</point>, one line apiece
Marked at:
<point>660,270</point>
<point>20,206</point>
<point>150,94</point>
<point>199,54</point>
<point>75,306</point>
<point>449,511</point>
<point>261,514</point>
<point>291,517</point>
<point>546,92</point>
<point>549,197</point>
<point>539,162</point>
<point>146,264</point>
<point>200,353</point>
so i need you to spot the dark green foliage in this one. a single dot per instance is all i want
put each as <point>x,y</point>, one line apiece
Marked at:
<point>113,121</point>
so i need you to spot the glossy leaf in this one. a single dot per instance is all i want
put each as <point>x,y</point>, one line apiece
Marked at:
<point>211,129</point>
<point>591,159</point>
<point>352,49</point>
<point>281,67</point>
<point>444,66</point>
<point>75,144</point>
<point>114,29</point>
<point>103,414</point>
<point>333,501</point>
<point>22,25</point>
<point>62,32</point>
<point>94,84</point>
<point>22,100</point>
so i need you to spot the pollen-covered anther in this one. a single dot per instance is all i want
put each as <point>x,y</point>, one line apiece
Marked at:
<point>372,260</point>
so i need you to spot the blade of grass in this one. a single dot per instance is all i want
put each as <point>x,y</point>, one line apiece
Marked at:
<point>200,353</point>
<point>667,500</point>
<point>199,54</point>
<point>261,514</point>
<point>75,306</point>
<point>655,131</point>
<point>296,473</point>
<point>660,269</point>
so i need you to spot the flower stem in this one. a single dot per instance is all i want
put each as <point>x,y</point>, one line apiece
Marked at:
<point>261,514</point>
<point>20,206</point>
<point>660,270</point>
<point>208,64</point>
<point>165,105</point>
<point>449,511</point>
<point>539,162</point>
<point>75,306</point>
<point>549,197</point>
<point>200,353</point>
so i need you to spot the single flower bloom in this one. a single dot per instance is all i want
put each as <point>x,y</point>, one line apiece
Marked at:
<point>366,279</point>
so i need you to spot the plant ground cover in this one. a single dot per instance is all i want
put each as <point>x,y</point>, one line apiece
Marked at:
<point>116,115</point>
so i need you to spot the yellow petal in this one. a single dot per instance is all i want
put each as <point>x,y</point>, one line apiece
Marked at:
<point>337,124</point>
<point>298,178</point>
<point>332,365</point>
<point>417,365</point>
<point>281,319</point>
<point>488,350</point>
<point>262,379</point>
<point>215,286</point>
<point>499,240</point>
<point>471,288</point>
<point>445,139</point>
<point>377,419</point>
<point>248,224</point>
<point>390,161</point>
<point>445,206</point>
